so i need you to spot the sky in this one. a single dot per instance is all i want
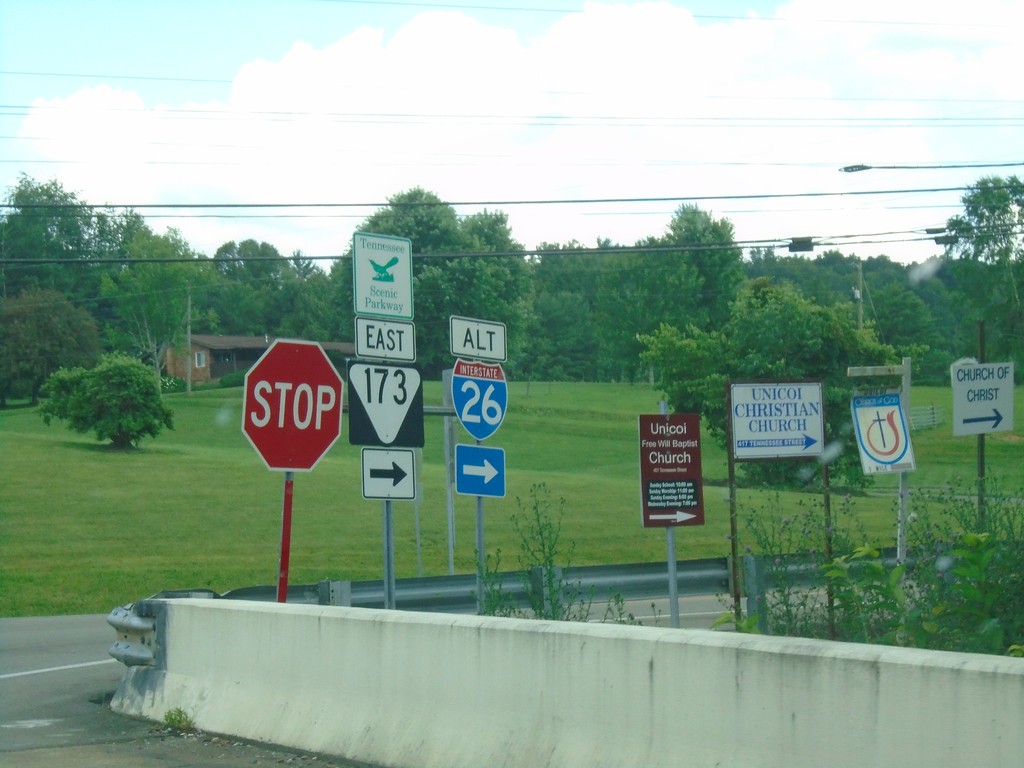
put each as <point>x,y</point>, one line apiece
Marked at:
<point>580,120</point>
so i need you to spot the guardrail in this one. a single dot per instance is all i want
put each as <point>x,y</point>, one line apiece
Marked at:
<point>761,574</point>
<point>457,594</point>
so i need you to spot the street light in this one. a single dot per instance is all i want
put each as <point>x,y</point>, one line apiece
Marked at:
<point>857,168</point>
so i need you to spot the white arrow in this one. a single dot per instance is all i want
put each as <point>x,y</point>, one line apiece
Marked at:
<point>678,516</point>
<point>486,471</point>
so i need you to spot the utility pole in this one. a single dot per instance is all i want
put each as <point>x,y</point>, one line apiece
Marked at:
<point>858,295</point>
<point>188,339</point>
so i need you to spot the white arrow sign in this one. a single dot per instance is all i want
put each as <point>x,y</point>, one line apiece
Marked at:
<point>982,397</point>
<point>388,473</point>
<point>486,471</point>
<point>677,517</point>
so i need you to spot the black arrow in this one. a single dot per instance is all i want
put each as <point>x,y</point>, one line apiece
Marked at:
<point>396,473</point>
<point>996,418</point>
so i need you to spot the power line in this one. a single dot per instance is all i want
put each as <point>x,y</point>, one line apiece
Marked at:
<point>926,167</point>
<point>542,120</point>
<point>469,203</point>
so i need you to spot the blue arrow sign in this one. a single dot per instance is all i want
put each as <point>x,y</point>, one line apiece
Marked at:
<point>996,418</point>
<point>479,471</point>
<point>804,442</point>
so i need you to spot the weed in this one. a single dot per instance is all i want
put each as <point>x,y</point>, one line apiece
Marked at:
<point>179,721</point>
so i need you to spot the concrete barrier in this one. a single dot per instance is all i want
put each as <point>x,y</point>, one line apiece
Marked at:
<point>395,688</point>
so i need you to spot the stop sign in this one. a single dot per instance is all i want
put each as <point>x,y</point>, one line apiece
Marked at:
<point>291,409</point>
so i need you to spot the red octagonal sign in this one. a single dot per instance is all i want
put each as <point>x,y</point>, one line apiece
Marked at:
<point>291,409</point>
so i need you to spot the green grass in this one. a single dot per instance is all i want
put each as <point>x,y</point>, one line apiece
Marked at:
<point>84,528</point>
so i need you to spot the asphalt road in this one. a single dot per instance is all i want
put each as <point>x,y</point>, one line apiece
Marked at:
<point>56,680</point>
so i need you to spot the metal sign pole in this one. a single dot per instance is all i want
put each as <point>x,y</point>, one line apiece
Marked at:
<point>481,564</point>
<point>389,555</point>
<point>981,439</point>
<point>286,537</point>
<point>733,527</point>
<point>670,556</point>
<point>449,467</point>
<point>902,370</point>
<point>673,582</point>
<point>901,528</point>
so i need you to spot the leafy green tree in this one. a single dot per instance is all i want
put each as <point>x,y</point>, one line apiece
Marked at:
<point>308,304</point>
<point>149,295</point>
<point>708,246</point>
<point>118,400</point>
<point>423,217</point>
<point>564,340</point>
<point>991,232</point>
<point>491,287</point>
<point>774,334</point>
<point>690,283</point>
<point>44,222</point>
<point>247,298</point>
<point>903,320</point>
<point>41,331</point>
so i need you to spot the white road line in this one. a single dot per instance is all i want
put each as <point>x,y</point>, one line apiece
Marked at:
<point>11,675</point>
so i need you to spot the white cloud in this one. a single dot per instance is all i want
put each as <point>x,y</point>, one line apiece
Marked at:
<point>619,101</point>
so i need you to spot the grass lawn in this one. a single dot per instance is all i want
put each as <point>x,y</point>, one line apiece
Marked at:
<point>84,528</point>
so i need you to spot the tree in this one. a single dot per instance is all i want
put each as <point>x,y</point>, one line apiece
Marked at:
<point>692,283</point>
<point>44,223</point>
<point>991,232</point>
<point>248,296</point>
<point>902,320</point>
<point>118,400</point>
<point>41,331</point>
<point>149,295</point>
<point>63,242</point>
<point>564,341</point>
<point>709,247</point>
<point>423,217</point>
<point>773,334</point>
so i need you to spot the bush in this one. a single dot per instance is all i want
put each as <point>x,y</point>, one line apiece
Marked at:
<point>119,400</point>
<point>543,560</point>
<point>172,384</point>
<point>232,379</point>
<point>961,589</point>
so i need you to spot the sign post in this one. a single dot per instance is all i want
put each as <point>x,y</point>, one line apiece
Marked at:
<point>386,401</point>
<point>772,421</point>
<point>291,415</point>
<point>479,394</point>
<point>982,403</point>
<point>890,427</point>
<point>671,488</point>
<point>386,409</point>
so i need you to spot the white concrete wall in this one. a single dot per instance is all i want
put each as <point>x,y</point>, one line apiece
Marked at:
<point>422,690</point>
